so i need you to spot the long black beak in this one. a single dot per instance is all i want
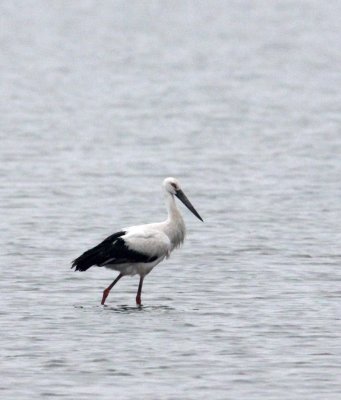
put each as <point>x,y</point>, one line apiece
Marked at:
<point>181,196</point>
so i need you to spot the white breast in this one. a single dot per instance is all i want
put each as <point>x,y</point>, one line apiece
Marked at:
<point>147,239</point>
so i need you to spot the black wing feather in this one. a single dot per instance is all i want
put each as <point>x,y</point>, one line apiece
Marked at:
<point>112,250</point>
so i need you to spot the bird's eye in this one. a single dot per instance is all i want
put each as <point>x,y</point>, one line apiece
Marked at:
<point>174,185</point>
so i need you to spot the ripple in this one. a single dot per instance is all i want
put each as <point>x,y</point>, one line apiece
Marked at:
<point>100,103</point>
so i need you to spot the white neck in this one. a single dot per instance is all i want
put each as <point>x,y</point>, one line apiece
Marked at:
<point>174,225</point>
<point>172,209</point>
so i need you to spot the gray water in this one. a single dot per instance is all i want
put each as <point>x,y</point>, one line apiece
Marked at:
<point>100,101</point>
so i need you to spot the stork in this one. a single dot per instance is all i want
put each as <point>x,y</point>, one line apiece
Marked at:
<point>138,249</point>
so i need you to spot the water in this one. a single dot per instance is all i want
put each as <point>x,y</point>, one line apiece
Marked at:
<point>239,100</point>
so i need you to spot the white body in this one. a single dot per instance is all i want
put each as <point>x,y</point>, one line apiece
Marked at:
<point>157,239</point>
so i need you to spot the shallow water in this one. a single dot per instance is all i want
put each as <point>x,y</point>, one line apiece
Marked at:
<point>241,102</point>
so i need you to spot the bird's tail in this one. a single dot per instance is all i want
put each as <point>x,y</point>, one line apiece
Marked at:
<point>97,255</point>
<point>85,261</point>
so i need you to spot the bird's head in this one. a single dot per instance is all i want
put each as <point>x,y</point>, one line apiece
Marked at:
<point>172,186</point>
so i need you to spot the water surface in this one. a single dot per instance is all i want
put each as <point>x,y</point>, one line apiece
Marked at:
<point>239,100</point>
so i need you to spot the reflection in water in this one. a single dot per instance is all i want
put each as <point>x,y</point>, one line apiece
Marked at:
<point>126,309</point>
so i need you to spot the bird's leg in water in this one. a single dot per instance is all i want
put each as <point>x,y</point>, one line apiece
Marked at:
<point>139,290</point>
<point>107,290</point>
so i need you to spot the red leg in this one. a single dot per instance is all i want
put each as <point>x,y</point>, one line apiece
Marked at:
<point>138,296</point>
<point>107,290</point>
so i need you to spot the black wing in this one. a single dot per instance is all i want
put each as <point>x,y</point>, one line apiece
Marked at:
<point>112,250</point>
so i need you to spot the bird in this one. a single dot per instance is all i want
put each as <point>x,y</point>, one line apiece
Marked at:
<point>136,250</point>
